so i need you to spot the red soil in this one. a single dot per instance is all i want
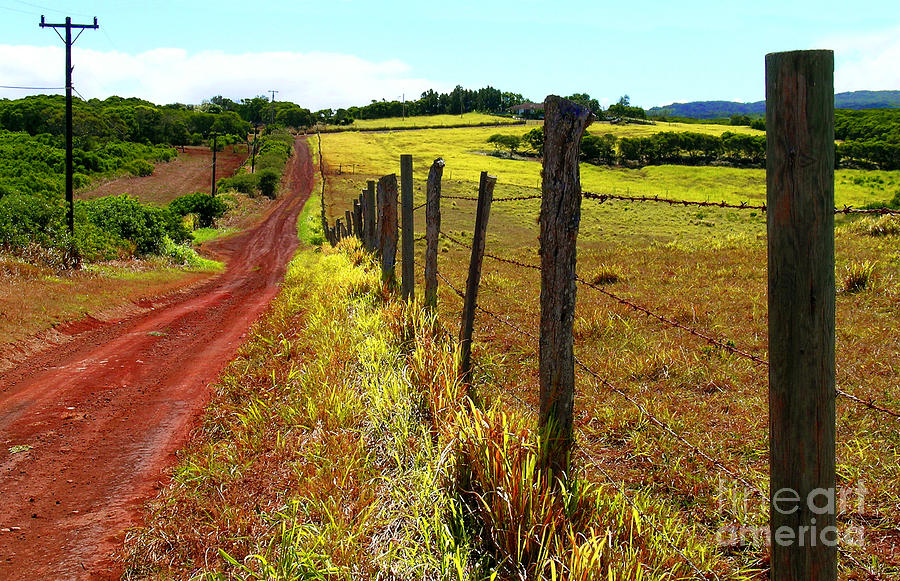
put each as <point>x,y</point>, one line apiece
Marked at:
<point>190,172</point>
<point>106,413</point>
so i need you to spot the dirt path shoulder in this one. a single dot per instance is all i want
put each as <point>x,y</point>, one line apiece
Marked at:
<point>89,428</point>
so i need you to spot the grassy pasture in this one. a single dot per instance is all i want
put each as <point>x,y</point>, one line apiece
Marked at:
<point>465,151</point>
<point>702,267</point>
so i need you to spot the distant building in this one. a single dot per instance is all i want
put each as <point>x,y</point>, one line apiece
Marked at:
<point>529,110</point>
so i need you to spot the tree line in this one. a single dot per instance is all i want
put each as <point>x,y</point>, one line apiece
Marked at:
<point>121,119</point>
<point>665,147</point>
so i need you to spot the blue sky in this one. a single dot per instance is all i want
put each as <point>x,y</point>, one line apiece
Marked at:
<point>345,52</point>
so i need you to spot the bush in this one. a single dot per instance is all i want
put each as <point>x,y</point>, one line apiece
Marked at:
<point>246,183</point>
<point>207,208</point>
<point>26,219</point>
<point>140,168</point>
<point>127,219</point>
<point>268,182</point>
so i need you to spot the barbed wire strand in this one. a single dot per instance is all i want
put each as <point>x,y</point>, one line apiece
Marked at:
<point>627,303</point>
<point>672,202</point>
<point>641,408</point>
<point>673,323</point>
<point>723,204</point>
<point>495,200</point>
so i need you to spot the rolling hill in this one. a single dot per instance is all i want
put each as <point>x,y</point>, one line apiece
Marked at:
<point>718,109</point>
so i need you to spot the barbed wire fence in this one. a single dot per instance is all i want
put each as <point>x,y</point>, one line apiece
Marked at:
<point>357,224</point>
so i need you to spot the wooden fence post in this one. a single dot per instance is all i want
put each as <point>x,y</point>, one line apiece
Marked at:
<point>339,229</point>
<point>482,213</point>
<point>357,221</point>
<point>800,216</point>
<point>364,235</point>
<point>407,267</point>
<point>564,124</point>
<point>387,227</point>
<point>349,221</point>
<point>432,230</point>
<point>370,227</point>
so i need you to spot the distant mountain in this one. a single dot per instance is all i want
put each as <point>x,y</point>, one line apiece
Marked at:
<point>719,109</point>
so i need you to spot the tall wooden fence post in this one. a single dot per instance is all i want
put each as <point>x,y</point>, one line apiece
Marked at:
<point>357,219</point>
<point>564,124</point>
<point>348,219</point>
<point>407,267</point>
<point>370,227</point>
<point>362,218</point>
<point>482,213</point>
<point>432,230</point>
<point>800,198</point>
<point>387,227</point>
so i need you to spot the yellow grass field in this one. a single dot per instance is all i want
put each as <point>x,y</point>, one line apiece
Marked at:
<point>466,152</point>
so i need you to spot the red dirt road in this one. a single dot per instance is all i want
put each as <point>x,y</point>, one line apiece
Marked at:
<point>104,414</point>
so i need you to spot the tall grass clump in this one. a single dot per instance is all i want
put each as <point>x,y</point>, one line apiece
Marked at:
<point>858,276</point>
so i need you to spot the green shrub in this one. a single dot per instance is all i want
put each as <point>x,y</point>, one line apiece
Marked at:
<point>246,183</point>
<point>126,218</point>
<point>140,168</point>
<point>207,208</point>
<point>27,219</point>
<point>268,182</point>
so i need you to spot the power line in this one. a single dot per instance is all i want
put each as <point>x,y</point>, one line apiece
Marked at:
<point>32,88</point>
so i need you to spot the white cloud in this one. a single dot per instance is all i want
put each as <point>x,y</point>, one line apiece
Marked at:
<point>168,75</point>
<point>867,61</point>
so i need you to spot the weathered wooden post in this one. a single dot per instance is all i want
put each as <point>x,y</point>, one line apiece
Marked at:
<point>364,236</point>
<point>564,124</point>
<point>348,218</point>
<point>482,213</point>
<point>339,228</point>
<point>432,230</point>
<point>369,219</point>
<point>357,221</point>
<point>800,200</point>
<point>407,266</point>
<point>387,223</point>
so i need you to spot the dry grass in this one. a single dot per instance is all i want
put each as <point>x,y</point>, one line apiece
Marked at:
<point>34,298</point>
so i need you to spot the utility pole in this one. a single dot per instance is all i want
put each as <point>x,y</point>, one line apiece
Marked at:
<point>212,189</point>
<point>70,216</point>
<point>255,144</point>
<point>273,105</point>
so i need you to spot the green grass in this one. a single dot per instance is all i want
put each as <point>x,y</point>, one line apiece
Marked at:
<point>202,235</point>
<point>375,154</point>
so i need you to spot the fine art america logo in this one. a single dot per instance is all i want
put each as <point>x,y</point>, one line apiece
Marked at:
<point>819,502</point>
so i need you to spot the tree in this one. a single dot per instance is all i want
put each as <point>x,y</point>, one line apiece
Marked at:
<point>534,139</point>
<point>624,109</point>
<point>585,100</point>
<point>510,142</point>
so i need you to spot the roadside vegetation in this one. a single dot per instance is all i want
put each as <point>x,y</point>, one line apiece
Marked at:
<point>340,444</point>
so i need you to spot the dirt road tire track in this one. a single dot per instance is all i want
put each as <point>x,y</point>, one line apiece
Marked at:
<point>105,414</point>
